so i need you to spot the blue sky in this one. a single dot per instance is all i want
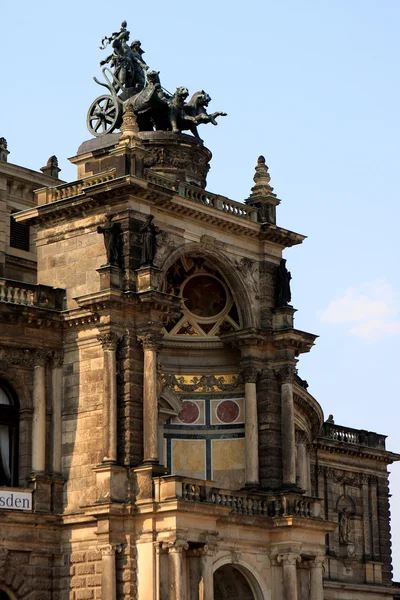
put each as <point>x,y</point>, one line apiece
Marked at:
<point>314,86</point>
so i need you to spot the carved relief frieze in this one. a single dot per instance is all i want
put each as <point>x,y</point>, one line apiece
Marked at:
<point>203,383</point>
<point>16,356</point>
<point>344,477</point>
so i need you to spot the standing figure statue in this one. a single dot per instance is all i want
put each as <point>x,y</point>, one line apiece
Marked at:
<point>129,67</point>
<point>283,293</point>
<point>112,240</point>
<point>344,534</point>
<point>149,245</point>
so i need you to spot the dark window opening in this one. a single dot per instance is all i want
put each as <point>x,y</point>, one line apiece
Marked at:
<point>9,425</point>
<point>19,234</point>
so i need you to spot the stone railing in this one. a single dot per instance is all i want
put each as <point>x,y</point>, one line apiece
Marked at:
<point>162,180</point>
<point>219,202</point>
<point>358,437</point>
<point>31,294</point>
<point>69,190</point>
<point>243,503</point>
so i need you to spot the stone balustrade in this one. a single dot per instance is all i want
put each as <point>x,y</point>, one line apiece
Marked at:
<point>31,294</point>
<point>219,202</point>
<point>75,188</point>
<point>241,502</point>
<point>358,437</point>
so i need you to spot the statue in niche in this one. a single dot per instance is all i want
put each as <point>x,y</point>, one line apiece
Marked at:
<point>344,533</point>
<point>283,293</point>
<point>112,240</point>
<point>149,233</point>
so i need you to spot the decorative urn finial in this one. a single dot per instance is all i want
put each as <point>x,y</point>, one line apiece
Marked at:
<point>51,169</point>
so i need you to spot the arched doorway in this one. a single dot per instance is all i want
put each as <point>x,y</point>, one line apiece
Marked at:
<point>231,584</point>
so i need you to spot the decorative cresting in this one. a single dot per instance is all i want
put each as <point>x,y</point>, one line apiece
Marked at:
<point>131,84</point>
<point>208,307</point>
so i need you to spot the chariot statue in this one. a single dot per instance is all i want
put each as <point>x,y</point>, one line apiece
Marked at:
<point>129,81</point>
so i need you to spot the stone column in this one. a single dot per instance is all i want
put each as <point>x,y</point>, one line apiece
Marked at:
<point>252,477</point>
<point>150,343</point>
<point>39,412</point>
<point>109,342</point>
<point>316,581</point>
<point>175,568</point>
<point>206,591</point>
<point>288,429</point>
<point>56,391</point>
<point>289,562</point>
<point>108,571</point>
<point>303,471</point>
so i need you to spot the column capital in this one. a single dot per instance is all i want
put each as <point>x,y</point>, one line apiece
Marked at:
<point>150,340</point>
<point>57,358</point>
<point>40,357</point>
<point>317,562</point>
<point>250,373</point>
<point>287,373</point>
<point>288,558</point>
<point>109,340</point>
<point>110,549</point>
<point>176,546</point>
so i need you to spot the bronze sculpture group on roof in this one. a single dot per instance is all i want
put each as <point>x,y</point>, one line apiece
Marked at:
<point>130,83</point>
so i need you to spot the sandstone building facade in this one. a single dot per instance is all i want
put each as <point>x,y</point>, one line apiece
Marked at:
<point>156,440</point>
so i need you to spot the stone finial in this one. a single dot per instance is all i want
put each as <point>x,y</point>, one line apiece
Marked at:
<point>3,149</point>
<point>129,127</point>
<point>51,169</point>
<point>261,179</point>
<point>262,194</point>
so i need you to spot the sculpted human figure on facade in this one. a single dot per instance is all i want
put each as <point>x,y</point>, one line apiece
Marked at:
<point>149,245</point>
<point>112,240</point>
<point>283,293</point>
<point>344,533</point>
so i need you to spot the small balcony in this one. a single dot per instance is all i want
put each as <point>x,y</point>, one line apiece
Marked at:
<point>31,294</point>
<point>289,504</point>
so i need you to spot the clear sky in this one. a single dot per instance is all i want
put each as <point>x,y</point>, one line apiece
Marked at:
<point>314,86</point>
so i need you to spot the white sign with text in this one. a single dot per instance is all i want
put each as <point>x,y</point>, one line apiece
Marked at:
<point>15,500</point>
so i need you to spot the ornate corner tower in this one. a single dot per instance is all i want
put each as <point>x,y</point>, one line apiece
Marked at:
<point>190,450</point>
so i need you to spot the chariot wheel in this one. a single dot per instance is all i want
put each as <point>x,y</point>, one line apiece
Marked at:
<point>104,115</point>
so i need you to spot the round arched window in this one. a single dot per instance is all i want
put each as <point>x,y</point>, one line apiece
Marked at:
<point>208,307</point>
<point>9,420</point>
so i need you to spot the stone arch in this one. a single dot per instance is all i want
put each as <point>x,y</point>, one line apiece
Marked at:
<point>256,583</point>
<point>6,593</point>
<point>17,587</point>
<point>10,375</point>
<point>230,272</point>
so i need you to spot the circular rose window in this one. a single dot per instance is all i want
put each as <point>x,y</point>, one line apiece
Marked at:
<point>189,413</point>
<point>204,296</point>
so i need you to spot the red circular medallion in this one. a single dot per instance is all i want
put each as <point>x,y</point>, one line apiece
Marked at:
<point>189,413</point>
<point>228,411</point>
